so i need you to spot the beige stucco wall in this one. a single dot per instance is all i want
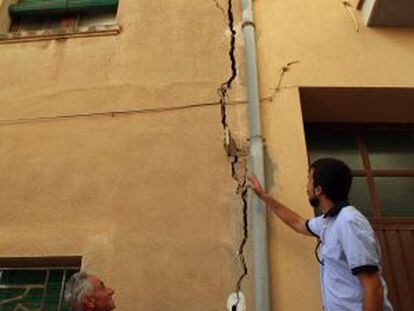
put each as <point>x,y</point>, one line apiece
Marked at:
<point>159,225</point>
<point>146,199</point>
<point>321,36</point>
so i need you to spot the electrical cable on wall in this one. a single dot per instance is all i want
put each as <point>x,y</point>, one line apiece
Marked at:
<point>114,113</point>
<point>349,7</point>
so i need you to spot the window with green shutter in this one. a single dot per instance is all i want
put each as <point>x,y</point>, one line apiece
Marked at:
<point>54,7</point>
<point>35,283</point>
<point>54,18</point>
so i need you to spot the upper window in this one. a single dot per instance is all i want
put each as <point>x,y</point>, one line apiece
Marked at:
<point>382,161</point>
<point>35,283</point>
<point>40,18</point>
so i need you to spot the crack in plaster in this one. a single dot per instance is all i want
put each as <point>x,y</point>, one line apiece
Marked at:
<point>218,5</point>
<point>282,73</point>
<point>238,155</point>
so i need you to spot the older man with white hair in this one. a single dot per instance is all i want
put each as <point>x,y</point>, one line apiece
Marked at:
<point>85,292</point>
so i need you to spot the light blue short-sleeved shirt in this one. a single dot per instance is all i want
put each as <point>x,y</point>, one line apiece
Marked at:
<point>348,247</point>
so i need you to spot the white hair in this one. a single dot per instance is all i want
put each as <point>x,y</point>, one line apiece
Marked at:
<point>76,288</point>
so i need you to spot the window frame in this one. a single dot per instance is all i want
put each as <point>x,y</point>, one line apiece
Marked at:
<point>7,36</point>
<point>47,264</point>
<point>357,129</point>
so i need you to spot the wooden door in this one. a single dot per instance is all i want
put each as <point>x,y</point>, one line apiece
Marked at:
<point>382,161</point>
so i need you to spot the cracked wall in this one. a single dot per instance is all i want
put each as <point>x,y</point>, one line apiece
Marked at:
<point>146,198</point>
<point>236,151</point>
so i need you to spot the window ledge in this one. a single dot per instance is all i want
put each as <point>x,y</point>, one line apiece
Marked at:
<point>51,34</point>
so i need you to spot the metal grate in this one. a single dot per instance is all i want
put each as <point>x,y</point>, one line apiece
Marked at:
<point>34,288</point>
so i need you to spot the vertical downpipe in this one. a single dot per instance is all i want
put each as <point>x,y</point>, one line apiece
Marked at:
<point>260,256</point>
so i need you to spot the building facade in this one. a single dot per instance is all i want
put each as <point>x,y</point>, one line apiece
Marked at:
<point>111,144</point>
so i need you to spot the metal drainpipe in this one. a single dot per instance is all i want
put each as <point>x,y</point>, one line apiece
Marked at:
<point>260,256</point>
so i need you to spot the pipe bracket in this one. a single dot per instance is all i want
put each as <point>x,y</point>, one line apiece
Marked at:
<point>248,23</point>
<point>256,136</point>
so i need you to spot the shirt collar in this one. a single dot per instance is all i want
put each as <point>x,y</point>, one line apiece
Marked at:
<point>336,209</point>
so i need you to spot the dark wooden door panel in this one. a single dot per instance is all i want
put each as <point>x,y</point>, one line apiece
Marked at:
<point>397,244</point>
<point>407,245</point>
<point>387,271</point>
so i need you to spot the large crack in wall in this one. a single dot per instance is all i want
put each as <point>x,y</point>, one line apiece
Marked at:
<point>237,156</point>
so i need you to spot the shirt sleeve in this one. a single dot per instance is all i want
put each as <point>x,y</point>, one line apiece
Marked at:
<point>314,226</point>
<point>360,246</point>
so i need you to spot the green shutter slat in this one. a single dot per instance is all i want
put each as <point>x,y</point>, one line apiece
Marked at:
<point>92,5</point>
<point>39,7</point>
<point>50,7</point>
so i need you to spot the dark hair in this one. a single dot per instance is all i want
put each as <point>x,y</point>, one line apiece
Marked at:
<point>334,176</point>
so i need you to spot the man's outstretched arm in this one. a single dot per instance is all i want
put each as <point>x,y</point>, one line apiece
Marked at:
<point>289,217</point>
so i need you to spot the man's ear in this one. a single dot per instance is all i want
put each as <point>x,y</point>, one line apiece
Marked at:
<point>318,191</point>
<point>88,301</point>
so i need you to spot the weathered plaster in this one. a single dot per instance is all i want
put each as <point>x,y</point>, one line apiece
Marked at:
<point>146,199</point>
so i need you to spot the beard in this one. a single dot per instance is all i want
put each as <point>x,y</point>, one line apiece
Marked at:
<point>314,201</point>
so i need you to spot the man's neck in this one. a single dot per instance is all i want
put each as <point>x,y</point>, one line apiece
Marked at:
<point>325,205</point>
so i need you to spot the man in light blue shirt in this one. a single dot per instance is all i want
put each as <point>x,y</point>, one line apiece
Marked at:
<point>347,251</point>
